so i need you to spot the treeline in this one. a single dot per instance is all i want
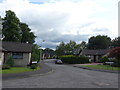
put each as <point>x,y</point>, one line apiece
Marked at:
<point>94,42</point>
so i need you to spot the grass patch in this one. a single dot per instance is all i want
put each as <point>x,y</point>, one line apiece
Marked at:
<point>105,67</point>
<point>17,70</point>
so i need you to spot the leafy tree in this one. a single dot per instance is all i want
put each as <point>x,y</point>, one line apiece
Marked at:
<point>26,34</point>
<point>0,28</point>
<point>60,49</point>
<point>71,48</point>
<point>116,42</point>
<point>99,42</point>
<point>11,27</point>
<point>14,30</point>
<point>80,47</point>
<point>115,52</point>
<point>35,53</point>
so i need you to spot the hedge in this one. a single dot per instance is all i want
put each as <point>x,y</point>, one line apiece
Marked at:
<point>71,59</point>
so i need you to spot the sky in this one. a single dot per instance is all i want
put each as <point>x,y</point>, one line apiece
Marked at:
<point>63,20</point>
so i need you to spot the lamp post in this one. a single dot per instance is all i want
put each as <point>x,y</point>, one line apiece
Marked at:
<point>40,53</point>
<point>41,50</point>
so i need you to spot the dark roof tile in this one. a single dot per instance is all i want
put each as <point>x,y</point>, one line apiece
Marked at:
<point>16,47</point>
<point>95,52</point>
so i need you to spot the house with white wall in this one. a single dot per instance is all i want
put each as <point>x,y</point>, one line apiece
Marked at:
<point>20,52</point>
<point>95,55</point>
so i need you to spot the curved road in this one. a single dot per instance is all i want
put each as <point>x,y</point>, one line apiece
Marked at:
<point>65,76</point>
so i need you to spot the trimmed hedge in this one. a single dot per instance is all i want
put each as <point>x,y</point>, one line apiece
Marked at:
<point>71,59</point>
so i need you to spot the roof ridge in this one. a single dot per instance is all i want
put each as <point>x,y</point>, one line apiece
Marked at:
<point>15,42</point>
<point>17,46</point>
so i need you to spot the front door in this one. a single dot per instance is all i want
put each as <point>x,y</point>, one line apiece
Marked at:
<point>94,59</point>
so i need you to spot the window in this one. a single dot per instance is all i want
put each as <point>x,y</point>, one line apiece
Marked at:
<point>17,55</point>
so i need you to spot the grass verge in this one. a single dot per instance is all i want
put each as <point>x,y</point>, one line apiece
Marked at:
<point>17,70</point>
<point>105,67</point>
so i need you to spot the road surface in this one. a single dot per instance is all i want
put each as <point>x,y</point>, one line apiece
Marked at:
<point>65,76</point>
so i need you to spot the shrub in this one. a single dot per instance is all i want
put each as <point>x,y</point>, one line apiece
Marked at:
<point>34,66</point>
<point>57,57</point>
<point>10,61</point>
<point>116,62</point>
<point>115,52</point>
<point>104,59</point>
<point>5,66</point>
<point>71,59</point>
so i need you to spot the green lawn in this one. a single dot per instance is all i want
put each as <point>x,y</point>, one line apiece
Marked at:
<point>17,70</point>
<point>106,67</point>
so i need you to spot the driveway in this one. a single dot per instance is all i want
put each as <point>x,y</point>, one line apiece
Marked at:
<point>65,76</point>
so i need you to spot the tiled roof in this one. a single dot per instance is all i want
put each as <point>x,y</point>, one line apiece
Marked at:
<point>16,47</point>
<point>95,52</point>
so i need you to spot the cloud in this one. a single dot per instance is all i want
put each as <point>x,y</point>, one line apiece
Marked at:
<point>63,20</point>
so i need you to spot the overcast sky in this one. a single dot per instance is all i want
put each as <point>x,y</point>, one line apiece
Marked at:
<point>64,20</point>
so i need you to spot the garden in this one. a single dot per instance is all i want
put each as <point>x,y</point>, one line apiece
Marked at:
<point>109,62</point>
<point>104,67</point>
<point>9,67</point>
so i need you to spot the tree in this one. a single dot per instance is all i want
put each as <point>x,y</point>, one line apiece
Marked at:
<point>11,29</point>
<point>60,49</point>
<point>26,34</point>
<point>14,30</point>
<point>0,28</point>
<point>35,53</point>
<point>99,42</point>
<point>115,52</point>
<point>66,49</point>
<point>80,47</point>
<point>70,48</point>
<point>116,42</point>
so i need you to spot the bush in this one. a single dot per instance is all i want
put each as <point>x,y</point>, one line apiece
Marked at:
<point>116,63</point>
<point>34,66</point>
<point>57,57</point>
<point>10,61</point>
<point>71,59</point>
<point>115,53</point>
<point>5,66</point>
<point>104,59</point>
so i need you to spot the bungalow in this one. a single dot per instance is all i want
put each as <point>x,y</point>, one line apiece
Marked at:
<point>20,52</point>
<point>48,55</point>
<point>95,55</point>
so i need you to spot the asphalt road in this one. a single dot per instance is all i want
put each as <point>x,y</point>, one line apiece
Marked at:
<point>65,76</point>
